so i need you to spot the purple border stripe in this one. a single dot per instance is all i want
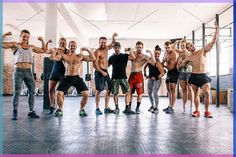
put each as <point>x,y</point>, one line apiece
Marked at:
<point>116,155</point>
<point>121,1</point>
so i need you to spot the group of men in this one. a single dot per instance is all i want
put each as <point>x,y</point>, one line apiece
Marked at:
<point>67,62</point>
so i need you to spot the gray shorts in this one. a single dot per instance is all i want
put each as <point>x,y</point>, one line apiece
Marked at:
<point>184,76</point>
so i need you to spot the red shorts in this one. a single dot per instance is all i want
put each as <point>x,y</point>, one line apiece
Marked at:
<point>136,82</point>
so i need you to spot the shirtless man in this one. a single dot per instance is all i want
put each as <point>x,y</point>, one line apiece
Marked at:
<point>136,76</point>
<point>72,64</point>
<point>199,78</point>
<point>102,79</point>
<point>170,62</point>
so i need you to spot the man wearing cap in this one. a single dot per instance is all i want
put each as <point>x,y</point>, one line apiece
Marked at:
<point>119,63</point>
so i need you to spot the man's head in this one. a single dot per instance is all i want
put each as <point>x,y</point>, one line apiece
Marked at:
<point>116,47</point>
<point>24,36</point>
<point>157,51</point>
<point>102,42</point>
<point>190,47</point>
<point>182,44</point>
<point>139,47</point>
<point>168,46</point>
<point>72,46</point>
<point>62,42</point>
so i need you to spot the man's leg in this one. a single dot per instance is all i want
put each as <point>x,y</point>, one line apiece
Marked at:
<point>206,92</point>
<point>196,113</point>
<point>83,102</point>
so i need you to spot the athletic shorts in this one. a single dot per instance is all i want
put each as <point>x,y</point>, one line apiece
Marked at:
<point>74,81</point>
<point>172,76</point>
<point>136,82</point>
<point>116,83</point>
<point>101,82</point>
<point>184,76</point>
<point>199,79</point>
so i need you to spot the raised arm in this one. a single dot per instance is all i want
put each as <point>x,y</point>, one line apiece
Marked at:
<point>174,46</point>
<point>38,49</point>
<point>55,55</point>
<point>151,59</point>
<point>110,46</point>
<point>131,54</point>
<point>209,46</point>
<point>90,57</point>
<point>8,45</point>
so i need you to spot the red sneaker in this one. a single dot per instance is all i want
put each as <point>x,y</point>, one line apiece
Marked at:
<point>208,114</point>
<point>196,114</point>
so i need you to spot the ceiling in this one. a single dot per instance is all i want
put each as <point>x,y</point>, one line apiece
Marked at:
<point>130,20</point>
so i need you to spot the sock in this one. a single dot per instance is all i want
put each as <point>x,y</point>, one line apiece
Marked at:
<point>138,104</point>
<point>126,106</point>
<point>14,111</point>
<point>116,105</point>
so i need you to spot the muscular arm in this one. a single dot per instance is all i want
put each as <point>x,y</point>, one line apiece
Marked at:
<point>131,55</point>
<point>55,56</point>
<point>180,62</point>
<point>161,69</point>
<point>8,45</point>
<point>38,49</point>
<point>90,57</point>
<point>151,59</point>
<point>110,46</point>
<point>95,62</point>
<point>174,47</point>
<point>144,69</point>
<point>209,46</point>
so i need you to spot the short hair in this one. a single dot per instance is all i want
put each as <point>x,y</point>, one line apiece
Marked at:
<point>139,43</point>
<point>157,47</point>
<point>183,41</point>
<point>117,44</point>
<point>188,43</point>
<point>72,41</point>
<point>62,38</point>
<point>24,31</point>
<point>167,43</point>
<point>102,38</point>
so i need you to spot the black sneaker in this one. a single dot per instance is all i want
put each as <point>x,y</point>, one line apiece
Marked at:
<point>116,111</point>
<point>33,115</point>
<point>82,113</point>
<point>170,110</point>
<point>155,111</point>
<point>165,109</point>
<point>137,110</point>
<point>57,111</point>
<point>128,111</point>
<point>14,115</point>
<point>52,109</point>
<point>151,109</point>
<point>108,110</point>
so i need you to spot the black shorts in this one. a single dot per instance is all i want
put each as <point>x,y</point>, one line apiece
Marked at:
<point>74,81</point>
<point>56,76</point>
<point>172,76</point>
<point>199,79</point>
<point>101,82</point>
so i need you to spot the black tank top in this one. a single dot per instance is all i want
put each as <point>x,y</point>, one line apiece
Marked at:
<point>153,71</point>
<point>58,66</point>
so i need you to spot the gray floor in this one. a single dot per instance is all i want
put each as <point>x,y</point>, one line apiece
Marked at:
<point>116,134</point>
